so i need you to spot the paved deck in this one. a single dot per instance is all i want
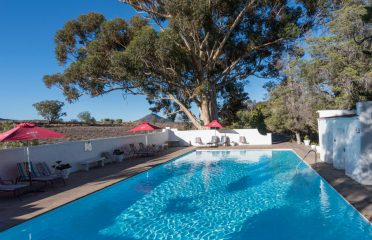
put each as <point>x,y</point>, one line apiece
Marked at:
<point>14,211</point>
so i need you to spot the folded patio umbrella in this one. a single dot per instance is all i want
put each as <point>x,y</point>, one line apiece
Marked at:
<point>26,132</point>
<point>144,127</point>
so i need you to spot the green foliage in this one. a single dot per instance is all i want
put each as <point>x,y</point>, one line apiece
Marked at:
<point>86,117</point>
<point>337,75</point>
<point>50,110</point>
<point>205,46</point>
<point>253,117</point>
<point>342,58</point>
<point>292,104</point>
<point>107,121</point>
<point>119,121</point>
<point>234,100</point>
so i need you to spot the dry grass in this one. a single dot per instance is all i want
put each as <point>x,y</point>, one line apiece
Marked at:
<point>76,132</point>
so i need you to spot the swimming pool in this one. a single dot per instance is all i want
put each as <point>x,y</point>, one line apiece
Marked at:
<point>208,195</point>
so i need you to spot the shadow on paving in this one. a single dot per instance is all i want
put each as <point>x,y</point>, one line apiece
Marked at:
<point>80,184</point>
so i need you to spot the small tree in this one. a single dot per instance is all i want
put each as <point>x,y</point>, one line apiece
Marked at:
<point>119,121</point>
<point>50,110</point>
<point>86,117</point>
<point>107,121</point>
<point>293,103</point>
<point>253,117</point>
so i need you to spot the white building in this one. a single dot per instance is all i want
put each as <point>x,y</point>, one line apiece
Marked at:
<point>345,139</point>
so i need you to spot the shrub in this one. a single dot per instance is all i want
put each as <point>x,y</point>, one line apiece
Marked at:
<point>86,117</point>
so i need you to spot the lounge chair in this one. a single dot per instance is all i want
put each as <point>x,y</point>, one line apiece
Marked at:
<point>142,147</point>
<point>243,141</point>
<point>146,149</point>
<point>198,142</point>
<point>128,153</point>
<point>225,141</point>
<point>214,142</point>
<point>139,152</point>
<point>109,158</point>
<point>40,172</point>
<point>155,148</point>
<point>9,186</point>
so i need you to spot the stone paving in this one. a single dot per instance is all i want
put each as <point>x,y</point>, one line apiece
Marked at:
<point>14,211</point>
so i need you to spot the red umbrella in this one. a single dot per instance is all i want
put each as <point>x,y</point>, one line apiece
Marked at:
<point>28,131</point>
<point>214,124</point>
<point>25,132</point>
<point>144,127</point>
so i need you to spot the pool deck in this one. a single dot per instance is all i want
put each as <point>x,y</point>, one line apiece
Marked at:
<point>14,211</point>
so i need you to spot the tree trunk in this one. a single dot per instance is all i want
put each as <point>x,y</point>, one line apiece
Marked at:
<point>298,137</point>
<point>208,109</point>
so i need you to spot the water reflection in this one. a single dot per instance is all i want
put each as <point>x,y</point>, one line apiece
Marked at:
<point>201,157</point>
<point>324,198</point>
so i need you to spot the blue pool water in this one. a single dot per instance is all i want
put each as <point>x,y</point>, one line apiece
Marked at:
<point>208,195</point>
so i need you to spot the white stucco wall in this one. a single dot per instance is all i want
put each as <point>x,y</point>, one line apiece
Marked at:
<point>361,171</point>
<point>71,152</point>
<point>346,141</point>
<point>339,143</point>
<point>253,137</point>
<point>324,142</point>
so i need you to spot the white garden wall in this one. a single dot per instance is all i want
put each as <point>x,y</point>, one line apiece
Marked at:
<point>345,139</point>
<point>253,137</point>
<point>71,152</point>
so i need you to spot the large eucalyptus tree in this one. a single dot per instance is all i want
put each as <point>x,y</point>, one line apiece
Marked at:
<point>186,53</point>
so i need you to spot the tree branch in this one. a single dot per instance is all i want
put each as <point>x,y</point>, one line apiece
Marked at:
<point>188,113</point>
<point>149,10</point>
<point>232,28</point>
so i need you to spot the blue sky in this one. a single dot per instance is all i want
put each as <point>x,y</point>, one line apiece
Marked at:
<point>27,54</point>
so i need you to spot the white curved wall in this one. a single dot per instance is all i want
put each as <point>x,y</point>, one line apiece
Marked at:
<point>253,137</point>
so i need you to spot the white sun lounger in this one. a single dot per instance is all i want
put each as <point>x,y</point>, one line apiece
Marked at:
<point>199,142</point>
<point>243,141</point>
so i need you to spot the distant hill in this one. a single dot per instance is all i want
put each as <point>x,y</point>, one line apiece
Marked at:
<point>3,119</point>
<point>153,118</point>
